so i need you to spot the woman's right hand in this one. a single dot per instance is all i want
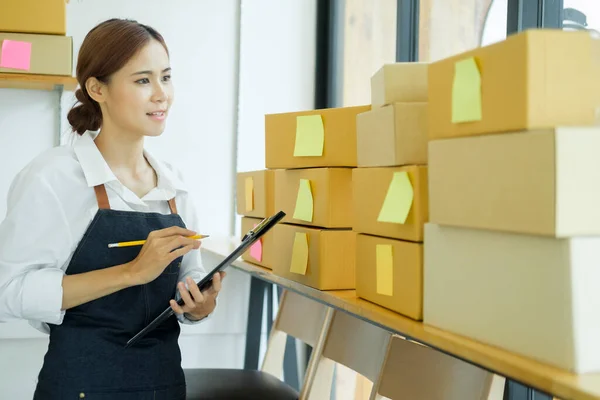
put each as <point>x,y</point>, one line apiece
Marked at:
<point>159,251</point>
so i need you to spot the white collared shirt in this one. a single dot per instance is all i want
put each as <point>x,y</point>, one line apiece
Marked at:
<point>50,205</point>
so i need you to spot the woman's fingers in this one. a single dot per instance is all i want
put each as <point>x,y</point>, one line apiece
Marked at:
<point>187,299</point>
<point>182,251</point>
<point>216,282</point>
<point>193,298</point>
<point>176,307</point>
<point>180,241</point>
<point>171,231</point>
<point>195,291</point>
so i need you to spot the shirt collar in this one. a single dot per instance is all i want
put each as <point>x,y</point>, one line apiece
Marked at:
<point>97,171</point>
<point>168,181</point>
<point>95,168</point>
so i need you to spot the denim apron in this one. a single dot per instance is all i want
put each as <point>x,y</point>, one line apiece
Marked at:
<point>86,357</point>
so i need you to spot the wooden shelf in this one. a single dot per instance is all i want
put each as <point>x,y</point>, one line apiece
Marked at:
<point>37,82</point>
<point>560,383</point>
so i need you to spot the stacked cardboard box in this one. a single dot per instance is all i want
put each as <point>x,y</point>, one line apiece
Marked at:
<point>313,154</point>
<point>254,202</point>
<point>33,38</point>
<point>390,189</point>
<point>513,247</point>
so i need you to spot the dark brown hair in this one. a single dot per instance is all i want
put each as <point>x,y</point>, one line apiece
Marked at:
<point>104,51</point>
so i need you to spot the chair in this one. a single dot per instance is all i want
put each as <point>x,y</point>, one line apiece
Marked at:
<point>348,341</point>
<point>394,367</point>
<point>298,317</point>
<point>414,371</point>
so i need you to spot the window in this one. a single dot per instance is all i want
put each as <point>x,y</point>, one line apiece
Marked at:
<point>449,27</point>
<point>518,15</point>
<point>494,29</point>
<point>366,39</point>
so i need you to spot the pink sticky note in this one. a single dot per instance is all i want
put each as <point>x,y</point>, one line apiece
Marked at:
<point>256,250</point>
<point>16,55</point>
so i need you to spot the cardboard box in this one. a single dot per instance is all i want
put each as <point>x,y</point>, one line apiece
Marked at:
<point>392,135</point>
<point>256,193</point>
<point>262,252</point>
<point>531,295</point>
<point>390,273</point>
<point>380,200</point>
<point>542,182</point>
<point>50,54</point>
<point>315,196</point>
<point>534,79</point>
<point>399,82</point>
<point>328,135</point>
<point>320,258</point>
<point>34,16</point>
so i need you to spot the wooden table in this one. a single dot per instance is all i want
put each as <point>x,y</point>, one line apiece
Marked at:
<point>528,372</point>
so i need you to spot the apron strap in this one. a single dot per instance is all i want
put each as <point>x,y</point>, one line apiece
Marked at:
<point>173,206</point>
<point>101,197</point>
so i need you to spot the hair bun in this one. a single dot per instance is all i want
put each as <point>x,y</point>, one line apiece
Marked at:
<point>85,116</point>
<point>81,96</point>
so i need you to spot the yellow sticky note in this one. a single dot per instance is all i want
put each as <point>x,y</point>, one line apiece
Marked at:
<point>310,136</point>
<point>466,91</point>
<point>249,194</point>
<point>398,200</point>
<point>300,254</point>
<point>304,202</point>
<point>385,269</point>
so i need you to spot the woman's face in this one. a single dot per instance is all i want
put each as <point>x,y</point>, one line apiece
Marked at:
<point>138,97</point>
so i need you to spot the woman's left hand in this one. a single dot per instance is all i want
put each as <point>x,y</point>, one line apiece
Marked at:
<point>198,305</point>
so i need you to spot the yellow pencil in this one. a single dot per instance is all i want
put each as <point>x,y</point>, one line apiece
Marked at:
<point>141,242</point>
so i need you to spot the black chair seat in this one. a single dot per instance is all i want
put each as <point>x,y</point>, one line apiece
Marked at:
<point>235,384</point>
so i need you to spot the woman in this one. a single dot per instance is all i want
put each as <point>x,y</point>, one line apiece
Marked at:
<point>67,205</point>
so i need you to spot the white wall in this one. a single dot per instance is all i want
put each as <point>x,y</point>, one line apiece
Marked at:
<point>27,122</point>
<point>276,74</point>
<point>277,69</point>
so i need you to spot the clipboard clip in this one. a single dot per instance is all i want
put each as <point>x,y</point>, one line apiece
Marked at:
<point>258,228</point>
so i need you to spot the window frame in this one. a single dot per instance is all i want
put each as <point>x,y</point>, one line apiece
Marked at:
<point>407,31</point>
<point>527,14</point>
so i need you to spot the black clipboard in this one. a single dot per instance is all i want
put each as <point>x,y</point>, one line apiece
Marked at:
<point>248,240</point>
